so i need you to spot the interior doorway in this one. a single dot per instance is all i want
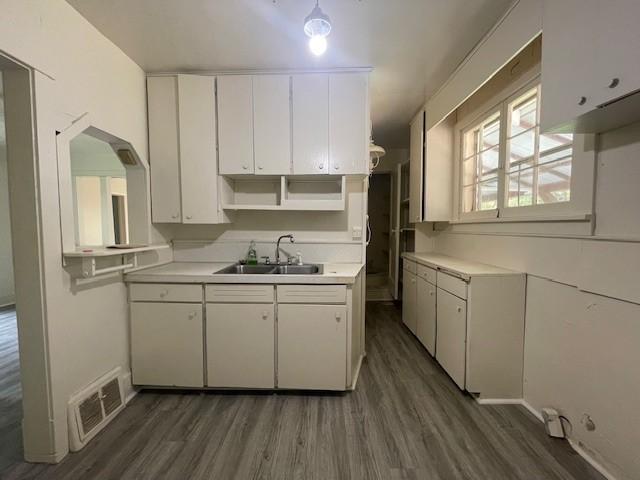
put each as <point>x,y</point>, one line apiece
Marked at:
<point>379,247</point>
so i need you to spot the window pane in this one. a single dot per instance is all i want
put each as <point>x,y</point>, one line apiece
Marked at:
<point>468,196</point>
<point>469,170</point>
<point>554,182</point>
<point>490,160</point>
<point>522,146</point>
<point>512,190</point>
<point>553,140</point>
<point>491,133</point>
<point>523,113</point>
<point>488,195</point>
<point>564,154</point>
<point>470,146</point>
<point>520,192</point>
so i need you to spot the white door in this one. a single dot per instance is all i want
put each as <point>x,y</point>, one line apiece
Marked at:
<point>426,315</point>
<point>164,151</point>
<point>416,159</point>
<point>452,335</point>
<point>312,347</point>
<point>348,124</point>
<point>409,300</point>
<point>198,157</point>
<point>310,107</point>
<point>272,124</point>
<point>240,345</point>
<point>235,124</point>
<point>167,344</point>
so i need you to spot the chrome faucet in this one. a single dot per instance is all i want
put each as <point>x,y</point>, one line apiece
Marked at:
<point>291,239</point>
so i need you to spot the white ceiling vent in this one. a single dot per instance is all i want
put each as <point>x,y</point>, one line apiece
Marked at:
<point>93,408</point>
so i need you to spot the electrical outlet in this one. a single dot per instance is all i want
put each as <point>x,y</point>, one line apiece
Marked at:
<point>356,233</point>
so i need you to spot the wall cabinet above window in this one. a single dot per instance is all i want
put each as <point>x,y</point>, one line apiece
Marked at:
<point>590,72</point>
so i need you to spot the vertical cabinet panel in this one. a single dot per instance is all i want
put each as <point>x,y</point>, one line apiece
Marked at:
<point>164,151</point>
<point>198,158</point>
<point>452,335</point>
<point>240,345</point>
<point>348,124</point>
<point>310,107</point>
<point>272,124</point>
<point>416,164</point>
<point>409,300</point>
<point>312,346</point>
<point>167,344</point>
<point>426,315</point>
<point>235,124</point>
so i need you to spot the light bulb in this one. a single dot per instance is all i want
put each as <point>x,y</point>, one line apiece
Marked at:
<point>318,45</point>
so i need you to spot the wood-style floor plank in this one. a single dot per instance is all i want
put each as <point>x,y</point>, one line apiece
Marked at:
<point>406,420</point>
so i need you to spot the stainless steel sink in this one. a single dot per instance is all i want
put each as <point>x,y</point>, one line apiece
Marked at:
<point>299,270</point>
<point>238,269</point>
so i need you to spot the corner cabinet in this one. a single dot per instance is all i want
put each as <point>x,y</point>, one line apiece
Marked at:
<point>183,161</point>
<point>416,168</point>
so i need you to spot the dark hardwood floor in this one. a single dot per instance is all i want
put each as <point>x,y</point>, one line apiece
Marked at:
<point>10,390</point>
<point>406,420</point>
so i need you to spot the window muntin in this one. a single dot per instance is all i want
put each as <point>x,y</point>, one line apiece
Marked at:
<point>538,167</point>
<point>480,165</point>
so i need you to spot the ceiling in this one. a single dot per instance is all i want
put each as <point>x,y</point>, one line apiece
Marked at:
<point>413,45</point>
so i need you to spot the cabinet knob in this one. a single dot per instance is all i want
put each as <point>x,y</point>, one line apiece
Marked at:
<point>321,166</point>
<point>459,309</point>
<point>164,293</point>
<point>614,83</point>
<point>189,217</point>
<point>582,100</point>
<point>245,167</point>
<point>192,315</point>
<point>174,216</point>
<point>337,167</point>
<point>338,317</point>
<point>265,315</point>
<point>431,293</point>
<point>259,167</point>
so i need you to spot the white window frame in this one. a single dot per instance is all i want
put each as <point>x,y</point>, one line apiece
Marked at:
<point>580,205</point>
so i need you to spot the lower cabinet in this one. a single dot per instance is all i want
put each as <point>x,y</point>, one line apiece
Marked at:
<point>312,346</point>
<point>240,343</point>
<point>452,335</point>
<point>167,344</point>
<point>409,300</point>
<point>426,315</point>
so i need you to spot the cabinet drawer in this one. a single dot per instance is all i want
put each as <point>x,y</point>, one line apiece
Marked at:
<point>428,273</point>
<point>159,292</point>
<point>312,293</point>
<point>410,266</point>
<point>233,293</point>
<point>452,284</point>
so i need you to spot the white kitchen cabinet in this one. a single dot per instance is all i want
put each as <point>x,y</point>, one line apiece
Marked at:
<point>416,168</point>
<point>240,345</point>
<point>272,124</point>
<point>312,346</point>
<point>426,315</point>
<point>182,145</point>
<point>452,335</point>
<point>235,124</point>
<point>438,171</point>
<point>348,123</point>
<point>167,344</point>
<point>409,297</point>
<point>588,67</point>
<point>310,131</point>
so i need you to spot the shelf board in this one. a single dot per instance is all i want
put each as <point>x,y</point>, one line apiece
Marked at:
<point>321,206</point>
<point>85,252</point>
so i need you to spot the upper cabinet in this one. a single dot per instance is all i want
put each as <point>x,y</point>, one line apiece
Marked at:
<point>348,123</point>
<point>416,165</point>
<point>310,124</point>
<point>235,124</point>
<point>182,149</point>
<point>589,71</point>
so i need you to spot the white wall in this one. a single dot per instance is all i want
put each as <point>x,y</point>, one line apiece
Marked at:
<point>78,71</point>
<point>581,347</point>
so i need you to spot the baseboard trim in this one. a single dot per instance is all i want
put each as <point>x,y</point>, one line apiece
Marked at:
<point>129,391</point>
<point>575,445</point>
<point>354,380</point>
<point>51,458</point>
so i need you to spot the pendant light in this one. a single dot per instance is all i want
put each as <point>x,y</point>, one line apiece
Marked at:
<point>317,27</point>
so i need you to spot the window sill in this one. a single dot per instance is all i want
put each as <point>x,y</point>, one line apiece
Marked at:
<point>582,217</point>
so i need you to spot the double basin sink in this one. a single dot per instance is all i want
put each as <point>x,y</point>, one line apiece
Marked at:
<point>263,269</point>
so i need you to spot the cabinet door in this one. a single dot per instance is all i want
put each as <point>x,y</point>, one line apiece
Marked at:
<point>568,61</point>
<point>409,300</point>
<point>272,124</point>
<point>235,124</point>
<point>451,340</point>
<point>312,347</point>
<point>164,152</point>
<point>426,315</point>
<point>310,106</point>
<point>167,344</point>
<point>240,345</point>
<point>416,163</point>
<point>348,123</point>
<point>198,157</point>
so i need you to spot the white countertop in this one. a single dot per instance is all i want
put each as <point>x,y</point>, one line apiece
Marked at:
<point>463,268</point>
<point>203,272</point>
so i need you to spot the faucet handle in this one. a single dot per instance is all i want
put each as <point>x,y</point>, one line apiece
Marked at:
<point>267,260</point>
